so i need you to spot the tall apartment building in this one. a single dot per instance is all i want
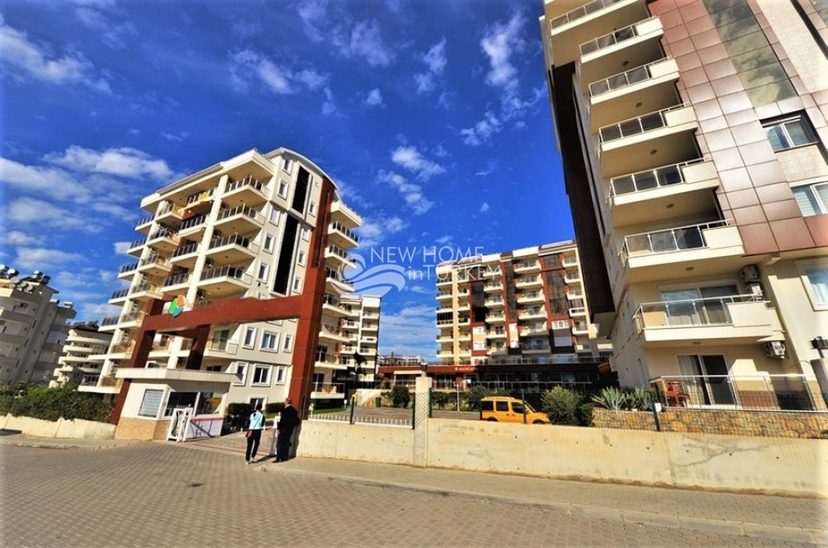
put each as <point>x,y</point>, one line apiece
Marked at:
<point>33,327</point>
<point>693,136</point>
<point>77,365</point>
<point>517,315</point>
<point>248,255</point>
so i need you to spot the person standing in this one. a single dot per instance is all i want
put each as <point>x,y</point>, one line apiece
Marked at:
<point>254,434</point>
<point>288,420</point>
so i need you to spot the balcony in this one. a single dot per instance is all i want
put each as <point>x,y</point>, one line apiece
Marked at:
<point>224,281</point>
<point>127,270</point>
<point>494,302</point>
<point>192,225</point>
<point>706,248</point>
<point>339,256</point>
<point>534,313</point>
<point>531,297</point>
<point>240,220</point>
<point>496,334</point>
<point>154,264</point>
<point>332,333</point>
<point>144,291</point>
<point>168,211</point>
<point>667,192</point>
<point>733,319</point>
<point>221,348</point>
<point>620,49</point>
<point>580,328</point>
<point>163,239</point>
<point>496,318</point>
<point>526,267</point>
<point>529,281</point>
<point>533,330</point>
<point>647,88</point>
<point>535,348</point>
<point>332,306</point>
<point>444,295</point>
<point>659,138</point>
<point>339,283</point>
<point>124,321</point>
<point>345,215</point>
<point>136,247</point>
<point>185,256</point>
<point>492,286</point>
<point>327,390</point>
<point>176,283</point>
<point>232,249</point>
<point>248,191</point>
<point>570,27</point>
<point>340,235</point>
<point>577,311</point>
<point>144,225</point>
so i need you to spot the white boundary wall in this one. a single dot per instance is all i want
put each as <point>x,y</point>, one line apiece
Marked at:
<point>65,429</point>
<point>729,463</point>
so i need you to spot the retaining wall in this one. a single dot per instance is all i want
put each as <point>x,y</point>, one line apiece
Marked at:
<point>61,428</point>
<point>687,460</point>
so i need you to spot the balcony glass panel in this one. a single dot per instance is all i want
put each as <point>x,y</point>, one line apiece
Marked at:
<point>666,241</point>
<point>649,179</point>
<point>622,80</point>
<point>689,312</point>
<point>608,39</point>
<point>580,12</point>
<point>635,126</point>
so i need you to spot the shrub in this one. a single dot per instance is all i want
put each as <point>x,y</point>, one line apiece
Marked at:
<point>273,408</point>
<point>560,404</point>
<point>611,398</point>
<point>640,398</point>
<point>441,399</point>
<point>51,404</point>
<point>584,414</point>
<point>400,396</point>
<point>472,397</point>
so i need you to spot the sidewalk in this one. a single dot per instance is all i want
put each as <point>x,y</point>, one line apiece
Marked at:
<point>748,515</point>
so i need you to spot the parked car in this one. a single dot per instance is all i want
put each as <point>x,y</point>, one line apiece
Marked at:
<point>506,409</point>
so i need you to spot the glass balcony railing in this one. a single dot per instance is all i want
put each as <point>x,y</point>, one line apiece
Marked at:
<point>168,207</point>
<point>145,220</point>
<point>185,250</point>
<point>195,221</point>
<point>580,12</point>
<point>240,210</point>
<point>620,81</point>
<point>233,239</point>
<point>612,38</point>
<point>224,271</point>
<point>128,268</point>
<point>635,126</point>
<point>669,240</point>
<point>345,230</point>
<point>650,179</point>
<point>137,244</point>
<point>162,233</point>
<point>790,392</point>
<point>154,258</point>
<point>176,280</point>
<point>248,181</point>
<point>689,312</point>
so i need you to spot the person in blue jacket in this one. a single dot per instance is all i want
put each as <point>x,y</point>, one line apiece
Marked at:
<point>254,434</point>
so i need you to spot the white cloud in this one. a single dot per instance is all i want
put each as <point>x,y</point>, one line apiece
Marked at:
<point>43,259</point>
<point>442,240</point>
<point>412,193</point>
<point>30,212</point>
<point>124,162</point>
<point>482,131</point>
<point>325,21</point>
<point>490,166</point>
<point>121,248</point>
<point>374,98</point>
<point>373,231</point>
<point>365,41</point>
<point>244,29</point>
<point>412,160</point>
<point>53,182</point>
<point>499,42</point>
<point>27,60</point>
<point>15,237</point>
<point>396,329</point>
<point>113,35</point>
<point>248,65</point>
<point>328,105</point>
<point>484,208</point>
<point>435,60</point>
<point>171,137</point>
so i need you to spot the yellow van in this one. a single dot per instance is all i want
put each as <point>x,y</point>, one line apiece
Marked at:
<point>506,409</point>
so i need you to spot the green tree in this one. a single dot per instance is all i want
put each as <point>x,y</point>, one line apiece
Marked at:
<point>400,396</point>
<point>561,404</point>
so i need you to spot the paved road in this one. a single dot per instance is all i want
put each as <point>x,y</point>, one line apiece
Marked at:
<point>188,495</point>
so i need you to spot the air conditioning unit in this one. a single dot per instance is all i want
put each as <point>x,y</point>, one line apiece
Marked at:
<point>208,263</point>
<point>750,273</point>
<point>200,294</point>
<point>774,349</point>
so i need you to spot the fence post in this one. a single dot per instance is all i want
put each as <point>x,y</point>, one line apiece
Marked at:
<point>351,419</point>
<point>430,402</point>
<point>655,415</point>
<point>523,400</point>
<point>414,411</point>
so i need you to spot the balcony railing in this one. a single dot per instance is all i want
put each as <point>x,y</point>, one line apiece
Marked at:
<point>168,207</point>
<point>224,271</point>
<point>336,250</point>
<point>345,230</point>
<point>176,280</point>
<point>248,181</point>
<point>624,79</point>
<point>688,312</point>
<point>612,38</point>
<point>582,11</point>
<point>145,220</point>
<point>195,221</point>
<point>137,243</point>
<point>650,179</point>
<point>154,258</point>
<point>186,250</point>
<point>128,268</point>
<point>669,240</point>
<point>200,196</point>
<point>635,126</point>
<point>162,233</point>
<point>794,392</point>
<point>329,387</point>
<point>119,294</point>
<point>232,239</point>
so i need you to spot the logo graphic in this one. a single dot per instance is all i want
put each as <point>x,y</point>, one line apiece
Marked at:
<point>376,280</point>
<point>177,305</point>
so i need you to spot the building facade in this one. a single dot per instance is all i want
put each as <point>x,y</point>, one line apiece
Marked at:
<point>33,327</point>
<point>247,230</point>
<point>693,136</point>
<point>77,365</point>
<point>519,315</point>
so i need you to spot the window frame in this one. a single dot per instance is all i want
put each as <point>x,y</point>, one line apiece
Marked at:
<point>244,366</point>
<point>249,340</point>
<point>267,370</point>
<point>144,398</point>
<point>275,336</point>
<point>288,343</point>
<point>806,266</point>
<point>782,123</point>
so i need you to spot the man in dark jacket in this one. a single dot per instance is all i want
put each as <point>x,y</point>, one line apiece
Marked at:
<point>288,420</point>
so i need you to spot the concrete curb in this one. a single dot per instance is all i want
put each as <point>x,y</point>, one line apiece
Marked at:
<point>632,517</point>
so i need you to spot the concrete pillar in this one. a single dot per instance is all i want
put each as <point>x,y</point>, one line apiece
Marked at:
<point>422,391</point>
<point>820,367</point>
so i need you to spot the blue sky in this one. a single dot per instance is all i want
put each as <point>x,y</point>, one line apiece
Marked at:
<point>432,118</point>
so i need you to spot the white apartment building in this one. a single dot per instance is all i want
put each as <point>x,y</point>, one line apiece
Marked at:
<point>33,327</point>
<point>518,315</point>
<point>693,137</point>
<point>220,246</point>
<point>76,365</point>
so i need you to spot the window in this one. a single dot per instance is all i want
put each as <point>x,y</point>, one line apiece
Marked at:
<point>305,234</point>
<point>208,403</point>
<point>288,343</point>
<point>301,258</point>
<point>283,187</point>
<point>275,215</point>
<point>312,208</point>
<point>249,337</point>
<point>706,379</point>
<point>297,284</point>
<point>241,372</point>
<point>268,243</point>
<point>180,400</point>
<point>815,279</point>
<point>270,341</point>
<point>262,274</point>
<point>281,374</point>
<point>288,165</point>
<point>261,374</point>
<point>150,403</point>
<point>789,133</point>
<point>812,199</point>
<point>256,402</point>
